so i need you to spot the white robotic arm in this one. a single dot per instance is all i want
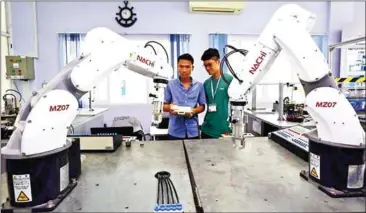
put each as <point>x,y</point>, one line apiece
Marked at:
<point>43,122</point>
<point>288,33</point>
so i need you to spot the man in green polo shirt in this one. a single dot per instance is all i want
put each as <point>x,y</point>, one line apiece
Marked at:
<point>216,120</point>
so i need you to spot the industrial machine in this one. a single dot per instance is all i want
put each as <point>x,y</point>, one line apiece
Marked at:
<point>292,112</point>
<point>339,140</point>
<point>8,116</point>
<point>11,102</point>
<point>43,121</point>
<point>294,139</point>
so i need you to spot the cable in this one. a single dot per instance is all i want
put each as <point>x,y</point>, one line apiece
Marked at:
<point>162,190</point>
<point>241,51</point>
<point>167,191</point>
<point>225,60</point>
<point>72,129</point>
<point>149,45</point>
<point>12,90</point>
<point>166,53</point>
<point>166,186</point>
<point>142,128</point>
<point>158,195</point>
<point>16,86</point>
<point>171,191</point>
<point>175,191</point>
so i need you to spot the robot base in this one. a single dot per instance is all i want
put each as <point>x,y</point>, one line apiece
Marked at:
<point>45,207</point>
<point>338,171</point>
<point>39,183</point>
<point>331,192</point>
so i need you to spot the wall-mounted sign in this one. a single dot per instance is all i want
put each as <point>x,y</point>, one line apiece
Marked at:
<point>126,16</point>
<point>356,60</point>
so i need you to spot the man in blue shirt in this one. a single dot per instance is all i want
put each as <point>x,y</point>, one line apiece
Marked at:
<point>184,91</point>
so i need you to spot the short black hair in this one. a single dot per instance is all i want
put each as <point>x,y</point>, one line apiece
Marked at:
<point>186,56</point>
<point>210,53</point>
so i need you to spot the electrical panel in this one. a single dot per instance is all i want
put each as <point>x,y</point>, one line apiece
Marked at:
<point>19,67</point>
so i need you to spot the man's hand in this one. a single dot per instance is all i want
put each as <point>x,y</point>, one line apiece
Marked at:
<point>172,109</point>
<point>189,114</point>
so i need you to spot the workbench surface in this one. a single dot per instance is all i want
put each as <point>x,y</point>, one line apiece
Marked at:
<point>262,177</point>
<point>124,181</point>
<point>272,119</point>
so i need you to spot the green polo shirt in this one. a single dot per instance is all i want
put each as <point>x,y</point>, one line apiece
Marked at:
<point>217,123</point>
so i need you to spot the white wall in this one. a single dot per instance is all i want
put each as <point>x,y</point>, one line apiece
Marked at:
<point>357,26</point>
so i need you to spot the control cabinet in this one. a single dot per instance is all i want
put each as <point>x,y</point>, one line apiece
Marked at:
<point>19,67</point>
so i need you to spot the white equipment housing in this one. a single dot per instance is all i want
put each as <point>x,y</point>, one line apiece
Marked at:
<point>42,124</point>
<point>288,33</point>
<point>216,7</point>
<point>181,110</point>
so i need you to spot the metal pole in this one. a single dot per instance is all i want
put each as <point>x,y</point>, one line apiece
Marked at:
<point>340,45</point>
<point>330,51</point>
<point>294,83</point>
<point>90,102</point>
<point>352,41</point>
<point>280,102</point>
<point>254,99</point>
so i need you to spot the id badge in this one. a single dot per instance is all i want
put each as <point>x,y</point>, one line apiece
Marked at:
<point>212,108</point>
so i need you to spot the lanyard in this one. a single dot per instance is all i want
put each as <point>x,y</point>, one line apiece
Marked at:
<point>217,86</point>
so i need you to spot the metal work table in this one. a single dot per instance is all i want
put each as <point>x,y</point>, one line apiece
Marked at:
<point>82,123</point>
<point>157,132</point>
<point>124,180</point>
<point>272,118</point>
<point>267,121</point>
<point>262,177</point>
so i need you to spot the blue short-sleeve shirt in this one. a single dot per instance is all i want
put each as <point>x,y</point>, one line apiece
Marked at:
<point>176,93</point>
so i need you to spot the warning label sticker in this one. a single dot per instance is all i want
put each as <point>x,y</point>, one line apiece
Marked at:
<point>314,173</point>
<point>64,177</point>
<point>355,178</point>
<point>22,197</point>
<point>315,165</point>
<point>22,188</point>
